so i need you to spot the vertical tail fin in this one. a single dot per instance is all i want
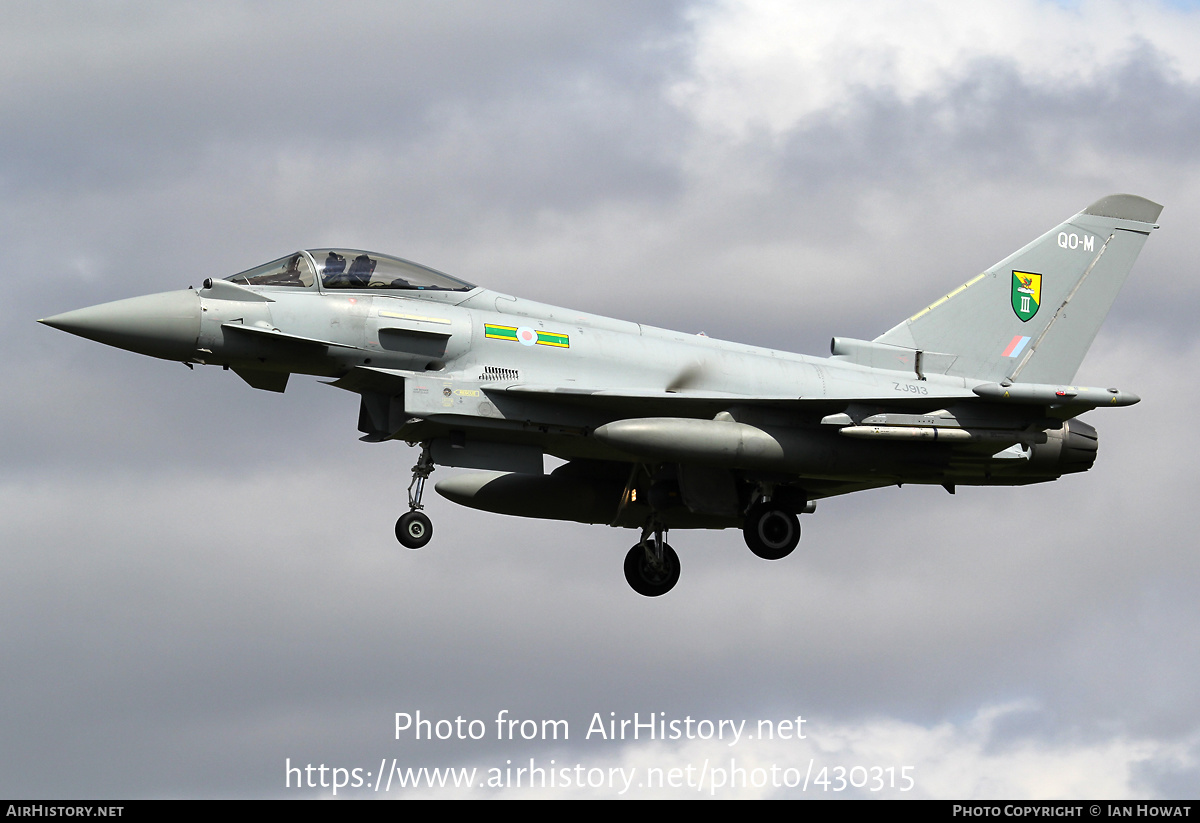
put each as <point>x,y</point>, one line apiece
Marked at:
<point>1032,316</point>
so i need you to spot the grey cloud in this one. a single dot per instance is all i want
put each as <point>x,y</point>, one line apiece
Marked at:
<point>97,100</point>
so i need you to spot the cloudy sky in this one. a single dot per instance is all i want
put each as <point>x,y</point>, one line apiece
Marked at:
<point>201,582</point>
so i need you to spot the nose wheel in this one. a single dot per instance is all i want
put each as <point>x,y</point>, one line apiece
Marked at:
<point>414,529</point>
<point>651,566</point>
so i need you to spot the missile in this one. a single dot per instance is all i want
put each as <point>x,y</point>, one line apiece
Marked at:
<point>932,433</point>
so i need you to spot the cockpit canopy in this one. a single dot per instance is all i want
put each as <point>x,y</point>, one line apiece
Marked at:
<point>348,269</point>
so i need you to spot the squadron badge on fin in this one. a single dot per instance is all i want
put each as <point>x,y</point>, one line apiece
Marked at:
<point>1026,294</point>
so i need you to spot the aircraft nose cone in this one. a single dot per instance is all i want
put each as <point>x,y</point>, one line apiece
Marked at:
<point>164,325</point>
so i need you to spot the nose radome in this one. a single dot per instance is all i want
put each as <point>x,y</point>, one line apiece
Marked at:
<point>164,325</point>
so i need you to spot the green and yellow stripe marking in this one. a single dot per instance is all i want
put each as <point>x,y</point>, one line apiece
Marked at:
<point>500,332</point>
<point>544,338</point>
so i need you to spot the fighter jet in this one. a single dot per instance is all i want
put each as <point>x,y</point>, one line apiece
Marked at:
<point>659,429</point>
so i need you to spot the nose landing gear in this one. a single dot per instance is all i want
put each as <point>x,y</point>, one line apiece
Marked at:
<point>414,529</point>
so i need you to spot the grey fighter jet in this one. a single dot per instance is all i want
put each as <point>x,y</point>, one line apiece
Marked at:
<point>659,429</point>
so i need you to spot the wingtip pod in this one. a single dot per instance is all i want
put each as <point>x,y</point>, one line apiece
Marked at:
<point>1125,207</point>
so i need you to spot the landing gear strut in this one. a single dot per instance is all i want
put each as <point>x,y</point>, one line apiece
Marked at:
<point>414,529</point>
<point>771,531</point>
<point>651,566</point>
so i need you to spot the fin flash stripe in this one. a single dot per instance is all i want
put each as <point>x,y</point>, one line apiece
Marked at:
<point>1015,346</point>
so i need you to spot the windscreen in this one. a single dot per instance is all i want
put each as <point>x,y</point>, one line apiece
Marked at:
<point>293,270</point>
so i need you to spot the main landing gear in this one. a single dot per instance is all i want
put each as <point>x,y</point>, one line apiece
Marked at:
<point>414,529</point>
<point>652,567</point>
<point>771,531</point>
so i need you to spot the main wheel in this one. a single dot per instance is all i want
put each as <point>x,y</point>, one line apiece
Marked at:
<point>771,532</point>
<point>644,578</point>
<point>413,530</point>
